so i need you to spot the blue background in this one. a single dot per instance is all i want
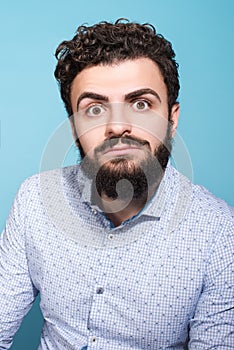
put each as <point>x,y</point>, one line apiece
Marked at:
<point>202,33</point>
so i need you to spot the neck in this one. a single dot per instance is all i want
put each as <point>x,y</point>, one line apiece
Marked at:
<point>119,211</point>
<point>128,211</point>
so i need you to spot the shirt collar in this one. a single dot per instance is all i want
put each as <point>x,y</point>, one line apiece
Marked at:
<point>173,187</point>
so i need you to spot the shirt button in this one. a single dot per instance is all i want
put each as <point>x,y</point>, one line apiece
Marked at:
<point>94,340</point>
<point>111,236</point>
<point>100,290</point>
<point>94,211</point>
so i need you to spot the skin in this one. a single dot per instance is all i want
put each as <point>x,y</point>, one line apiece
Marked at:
<point>125,98</point>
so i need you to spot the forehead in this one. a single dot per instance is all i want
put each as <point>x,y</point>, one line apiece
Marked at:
<point>119,79</point>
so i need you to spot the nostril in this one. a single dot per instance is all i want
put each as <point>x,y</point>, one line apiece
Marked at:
<point>117,129</point>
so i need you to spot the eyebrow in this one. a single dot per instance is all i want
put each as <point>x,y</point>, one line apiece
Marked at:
<point>91,95</point>
<point>127,97</point>
<point>140,92</point>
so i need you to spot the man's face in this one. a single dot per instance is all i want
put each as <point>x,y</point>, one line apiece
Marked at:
<point>120,112</point>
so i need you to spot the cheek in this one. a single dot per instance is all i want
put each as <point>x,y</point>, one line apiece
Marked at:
<point>154,131</point>
<point>90,139</point>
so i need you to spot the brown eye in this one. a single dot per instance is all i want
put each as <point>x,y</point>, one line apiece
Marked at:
<point>95,110</point>
<point>141,105</point>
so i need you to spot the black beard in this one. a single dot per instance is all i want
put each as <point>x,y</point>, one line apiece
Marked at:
<point>124,177</point>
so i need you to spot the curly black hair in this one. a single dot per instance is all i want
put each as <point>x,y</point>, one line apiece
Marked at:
<point>106,43</point>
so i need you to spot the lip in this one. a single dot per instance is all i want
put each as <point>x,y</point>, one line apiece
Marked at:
<point>121,150</point>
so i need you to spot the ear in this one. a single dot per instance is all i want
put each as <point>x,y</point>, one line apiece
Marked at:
<point>175,113</point>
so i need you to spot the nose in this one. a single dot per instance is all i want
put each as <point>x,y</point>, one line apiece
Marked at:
<point>117,124</point>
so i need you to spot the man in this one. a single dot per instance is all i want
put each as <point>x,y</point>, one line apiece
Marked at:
<point>124,251</point>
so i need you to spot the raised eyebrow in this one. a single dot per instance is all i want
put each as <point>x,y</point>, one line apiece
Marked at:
<point>91,95</point>
<point>140,92</point>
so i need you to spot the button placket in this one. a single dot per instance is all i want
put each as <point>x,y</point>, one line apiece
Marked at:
<point>100,290</point>
<point>93,340</point>
<point>111,236</point>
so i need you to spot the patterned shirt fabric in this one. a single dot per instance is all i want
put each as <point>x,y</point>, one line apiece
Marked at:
<point>163,280</point>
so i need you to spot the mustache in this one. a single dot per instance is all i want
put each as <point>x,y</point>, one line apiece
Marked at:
<point>125,140</point>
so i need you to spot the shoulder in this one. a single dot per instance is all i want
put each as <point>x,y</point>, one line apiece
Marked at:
<point>34,185</point>
<point>201,205</point>
<point>207,202</point>
<point>62,173</point>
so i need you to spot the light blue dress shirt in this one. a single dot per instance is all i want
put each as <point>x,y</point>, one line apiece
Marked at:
<point>164,280</point>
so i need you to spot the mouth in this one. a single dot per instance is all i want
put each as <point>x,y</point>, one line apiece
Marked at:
<point>122,150</point>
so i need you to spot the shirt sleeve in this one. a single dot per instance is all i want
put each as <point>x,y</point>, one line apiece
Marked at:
<point>212,326</point>
<point>17,292</point>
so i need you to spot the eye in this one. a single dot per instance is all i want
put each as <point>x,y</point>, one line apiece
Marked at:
<point>95,110</point>
<point>141,105</point>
